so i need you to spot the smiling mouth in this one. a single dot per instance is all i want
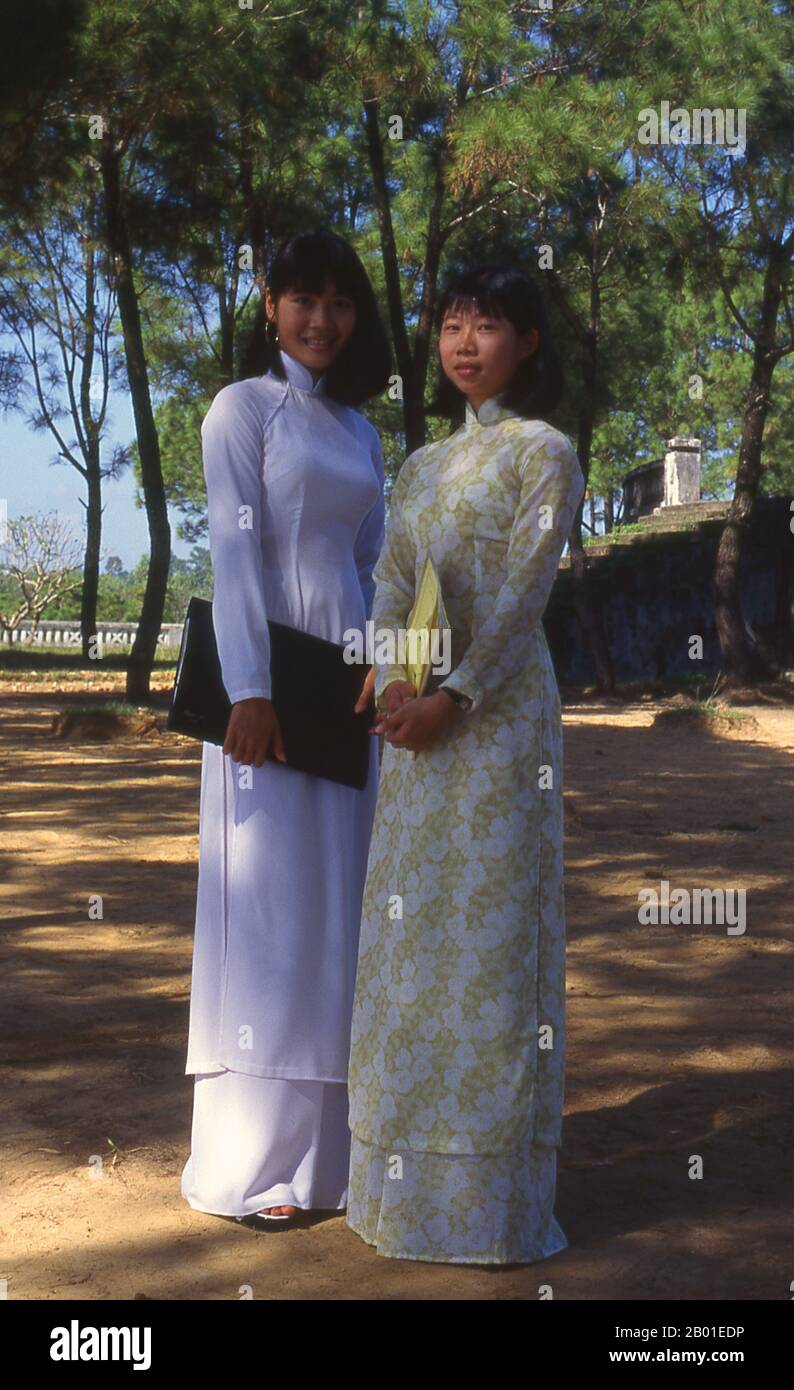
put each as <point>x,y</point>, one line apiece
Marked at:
<point>319,343</point>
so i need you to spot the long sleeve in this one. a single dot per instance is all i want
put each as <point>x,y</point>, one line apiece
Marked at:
<point>552,485</point>
<point>369,540</point>
<point>231,439</point>
<point>395,579</point>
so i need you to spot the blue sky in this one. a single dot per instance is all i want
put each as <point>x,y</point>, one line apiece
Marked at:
<point>30,483</point>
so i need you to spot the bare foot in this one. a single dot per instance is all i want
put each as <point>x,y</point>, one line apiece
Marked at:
<point>278,1211</point>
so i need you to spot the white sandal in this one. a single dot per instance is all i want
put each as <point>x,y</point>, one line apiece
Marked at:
<point>259,1220</point>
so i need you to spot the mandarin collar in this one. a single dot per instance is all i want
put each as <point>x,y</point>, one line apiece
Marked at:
<point>299,376</point>
<point>490,411</point>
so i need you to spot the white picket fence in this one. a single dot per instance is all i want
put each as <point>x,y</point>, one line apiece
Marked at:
<point>55,634</point>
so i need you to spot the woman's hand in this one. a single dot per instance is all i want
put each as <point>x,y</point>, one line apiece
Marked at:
<point>395,694</point>
<point>253,727</point>
<point>418,723</point>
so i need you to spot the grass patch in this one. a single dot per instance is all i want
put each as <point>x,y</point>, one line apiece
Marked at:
<point>107,707</point>
<point>715,710</point>
<point>38,661</point>
<point>609,537</point>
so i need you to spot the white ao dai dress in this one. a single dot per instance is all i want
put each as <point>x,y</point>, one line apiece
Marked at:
<point>295,496</point>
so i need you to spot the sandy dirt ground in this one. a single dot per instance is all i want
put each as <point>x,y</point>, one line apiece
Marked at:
<point>679,1037</point>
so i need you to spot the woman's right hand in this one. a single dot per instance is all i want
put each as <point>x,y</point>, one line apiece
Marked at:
<point>253,727</point>
<point>396,694</point>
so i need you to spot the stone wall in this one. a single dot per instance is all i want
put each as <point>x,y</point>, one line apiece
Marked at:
<point>654,588</point>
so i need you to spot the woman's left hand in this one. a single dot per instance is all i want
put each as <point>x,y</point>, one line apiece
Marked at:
<point>420,722</point>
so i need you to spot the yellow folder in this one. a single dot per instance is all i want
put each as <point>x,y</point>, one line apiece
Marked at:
<point>427,615</point>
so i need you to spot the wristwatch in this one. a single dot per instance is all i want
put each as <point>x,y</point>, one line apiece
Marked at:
<point>463,702</point>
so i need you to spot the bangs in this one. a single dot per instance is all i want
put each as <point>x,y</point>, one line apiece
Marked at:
<point>312,279</point>
<point>312,262</point>
<point>479,302</point>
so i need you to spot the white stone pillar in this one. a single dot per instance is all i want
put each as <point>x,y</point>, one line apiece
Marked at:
<point>682,470</point>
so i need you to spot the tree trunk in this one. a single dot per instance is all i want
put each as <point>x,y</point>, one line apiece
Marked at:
<point>744,663</point>
<point>90,589</point>
<point>587,335</point>
<point>415,418</point>
<point>145,645</point>
<point>254,210</point>
<point>227,304</point>
<point>413,403</point>
<point>588,613</point>
<point>93,542</point>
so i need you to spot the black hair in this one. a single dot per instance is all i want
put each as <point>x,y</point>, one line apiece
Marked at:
<point>504,291</point>
<point>304,262</point>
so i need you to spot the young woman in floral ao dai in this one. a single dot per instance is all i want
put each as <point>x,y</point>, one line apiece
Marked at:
<point>457,1045</point>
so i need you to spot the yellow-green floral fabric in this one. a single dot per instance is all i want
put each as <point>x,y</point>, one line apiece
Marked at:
<point>457,1042</point>
<point>455,1208</point>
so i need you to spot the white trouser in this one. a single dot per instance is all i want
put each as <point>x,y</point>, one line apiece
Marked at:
<point>260,1141</point>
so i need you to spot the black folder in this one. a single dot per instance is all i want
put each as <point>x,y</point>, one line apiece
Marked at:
<point>313,690</point>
